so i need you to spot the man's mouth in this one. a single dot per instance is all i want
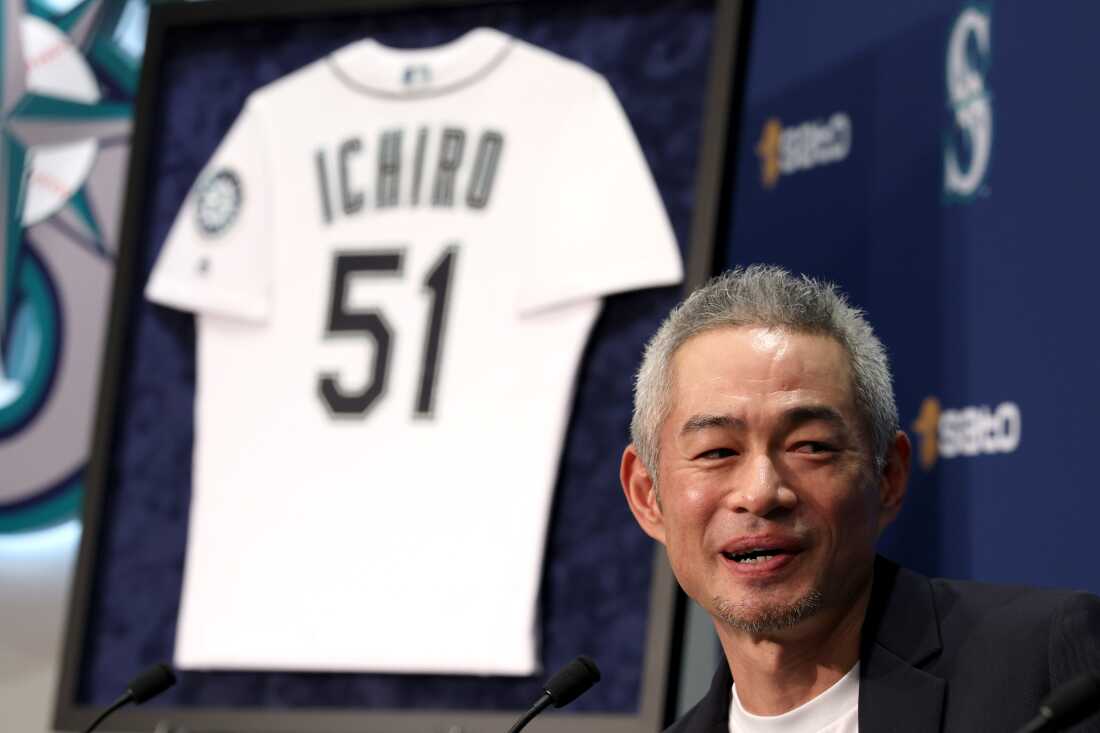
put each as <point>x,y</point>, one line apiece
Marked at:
<point>762,550</point>
<point>755,555</point>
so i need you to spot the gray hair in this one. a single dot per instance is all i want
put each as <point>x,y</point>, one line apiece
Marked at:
<point>769,296</point>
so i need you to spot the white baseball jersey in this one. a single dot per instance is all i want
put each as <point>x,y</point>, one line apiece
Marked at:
<point>395,258</point>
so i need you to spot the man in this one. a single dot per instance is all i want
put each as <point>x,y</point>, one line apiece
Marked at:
<point>766,458</point>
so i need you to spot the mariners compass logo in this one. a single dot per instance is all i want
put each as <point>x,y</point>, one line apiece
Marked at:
<point>65,111</point>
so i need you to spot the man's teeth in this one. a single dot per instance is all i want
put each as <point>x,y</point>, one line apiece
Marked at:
<point>752,556</point>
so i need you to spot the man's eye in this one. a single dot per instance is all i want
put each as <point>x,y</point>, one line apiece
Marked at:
<point>716,453</point>
<point>814,446</point>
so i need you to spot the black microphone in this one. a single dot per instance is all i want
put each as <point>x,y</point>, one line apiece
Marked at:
<point>145,686</point>
<point>1067,704</point>
<point>567,685</point>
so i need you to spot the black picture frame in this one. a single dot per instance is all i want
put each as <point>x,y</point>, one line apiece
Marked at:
<point>657,696</point>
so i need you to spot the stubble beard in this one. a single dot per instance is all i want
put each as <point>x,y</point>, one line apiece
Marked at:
<point>768,619</point>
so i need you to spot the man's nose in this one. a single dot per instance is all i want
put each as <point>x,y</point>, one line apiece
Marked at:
<point>759,489</point>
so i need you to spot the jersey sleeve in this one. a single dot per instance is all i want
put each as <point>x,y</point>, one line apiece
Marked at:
<point>216,258</point>
<point>601,226</point>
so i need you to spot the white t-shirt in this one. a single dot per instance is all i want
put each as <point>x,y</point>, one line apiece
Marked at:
<point>395,258</point>
<point>834,711</point>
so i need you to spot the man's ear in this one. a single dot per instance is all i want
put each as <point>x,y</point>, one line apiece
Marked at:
<point>641,494</point>
<point>894,479</point>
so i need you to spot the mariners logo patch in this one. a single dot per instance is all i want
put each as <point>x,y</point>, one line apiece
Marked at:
<point>218,201</point>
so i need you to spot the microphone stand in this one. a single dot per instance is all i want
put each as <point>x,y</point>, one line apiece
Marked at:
<point>537,708</point>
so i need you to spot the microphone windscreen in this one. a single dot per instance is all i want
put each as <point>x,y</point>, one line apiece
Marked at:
<point>151,683</point>
<point>1074,700</point>
<point>572,680</point>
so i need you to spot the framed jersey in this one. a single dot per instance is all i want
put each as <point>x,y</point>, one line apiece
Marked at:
<point>386,274</point>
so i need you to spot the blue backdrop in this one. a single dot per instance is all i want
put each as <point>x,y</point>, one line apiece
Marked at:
<point>935,159</point>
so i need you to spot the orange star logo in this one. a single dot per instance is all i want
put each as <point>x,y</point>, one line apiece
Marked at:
<point>767,149</point>
<point>927,426</point>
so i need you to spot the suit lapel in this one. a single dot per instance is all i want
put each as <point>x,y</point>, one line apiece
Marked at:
<point>897,697</point>
<point>901,632</point>
<point>712,713</point>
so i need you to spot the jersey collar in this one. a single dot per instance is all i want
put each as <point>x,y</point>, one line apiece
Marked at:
<point>369,67</point>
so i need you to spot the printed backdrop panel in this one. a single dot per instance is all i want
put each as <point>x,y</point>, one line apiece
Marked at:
<point>931,160</point>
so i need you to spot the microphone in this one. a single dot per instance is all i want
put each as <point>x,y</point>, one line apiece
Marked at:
<point>145,686</point>
<point>1067,704</point>
<point>570,682</point>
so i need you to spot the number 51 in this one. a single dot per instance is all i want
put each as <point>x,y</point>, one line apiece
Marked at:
<point>373,326</point>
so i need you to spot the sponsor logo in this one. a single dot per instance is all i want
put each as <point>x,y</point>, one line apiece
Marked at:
<point>966,431</point>
<point>795,148</point>
<point>969,139</point>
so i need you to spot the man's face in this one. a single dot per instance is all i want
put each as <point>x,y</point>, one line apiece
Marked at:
<point>766,498</point>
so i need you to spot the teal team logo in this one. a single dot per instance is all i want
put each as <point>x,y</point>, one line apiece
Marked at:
<point>68,70</point>
<point>969,139</point>
<point>218,199</point>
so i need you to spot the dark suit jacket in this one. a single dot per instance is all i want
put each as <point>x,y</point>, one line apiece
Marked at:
<point>956,656</point>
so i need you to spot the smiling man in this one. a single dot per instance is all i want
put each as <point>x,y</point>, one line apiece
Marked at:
<point>767,459</point>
